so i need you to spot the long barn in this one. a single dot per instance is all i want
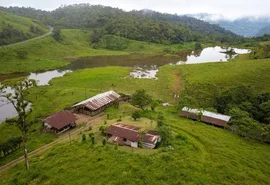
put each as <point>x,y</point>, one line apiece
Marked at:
<point>206,116</point>
<point>96,104</point>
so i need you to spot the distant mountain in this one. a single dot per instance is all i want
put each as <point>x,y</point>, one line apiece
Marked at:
<point>264,30</point>
<point>247,26</point>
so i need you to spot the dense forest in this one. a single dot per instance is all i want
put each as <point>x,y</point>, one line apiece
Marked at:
<point>137,25</point>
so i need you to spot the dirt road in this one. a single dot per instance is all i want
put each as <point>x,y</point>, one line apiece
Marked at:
<point>39,37</point>
<point>62,137</point>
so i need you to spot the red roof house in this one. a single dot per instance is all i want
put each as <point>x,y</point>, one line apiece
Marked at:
<point>129,135</point>
<point>60,121</point>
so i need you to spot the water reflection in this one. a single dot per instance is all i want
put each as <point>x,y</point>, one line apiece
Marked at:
<point>149,73</point>
<point>144,67</point>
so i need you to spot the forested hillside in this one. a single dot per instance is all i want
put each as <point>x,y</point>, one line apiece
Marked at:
<point>137,25</point>
<point>15,28</point>
<point>264,30</point>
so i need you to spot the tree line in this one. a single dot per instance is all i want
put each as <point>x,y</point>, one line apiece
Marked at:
<point>250,110</point>
<point>137,25</point>
<point>10,146</point>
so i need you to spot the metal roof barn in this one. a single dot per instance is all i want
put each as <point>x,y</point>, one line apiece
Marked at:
<point>99,100</point>
<point>207,116</point>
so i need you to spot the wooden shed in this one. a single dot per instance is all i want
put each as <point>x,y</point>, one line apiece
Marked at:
<point>60,121</point>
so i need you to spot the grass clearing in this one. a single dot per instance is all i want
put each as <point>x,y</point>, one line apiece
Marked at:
<point>202,154</point>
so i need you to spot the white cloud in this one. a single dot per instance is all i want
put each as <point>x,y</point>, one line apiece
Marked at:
<point>228,8</point>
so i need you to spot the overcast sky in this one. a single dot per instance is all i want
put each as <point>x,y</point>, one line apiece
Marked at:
<point>227,8</point>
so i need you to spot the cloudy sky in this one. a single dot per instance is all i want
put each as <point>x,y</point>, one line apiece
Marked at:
<point>227,8</point>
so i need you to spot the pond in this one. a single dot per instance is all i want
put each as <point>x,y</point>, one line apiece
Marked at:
<point>144,67</point>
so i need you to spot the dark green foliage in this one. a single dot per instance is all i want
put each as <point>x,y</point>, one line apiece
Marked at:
<point>10,35</point>
<point>136,25</point>
<point>83,138</point>
<point>19,102</point>
<point>160,120</point>
<point>10,146</point>
<point>112,42</point>
<point>104,141</point>
<point>103,129</point>
<point>57,34</point>
<point>249,110</point>
<point>93,139</point>
<point>136,115</point>
<point>141,99</point>
<point>261,52</point>
<point>198,46</point>
<point>116,146</point>
<point>154,105</point>
<point>165,133</point>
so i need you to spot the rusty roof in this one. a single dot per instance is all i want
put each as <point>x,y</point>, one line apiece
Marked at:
<point>208,114</point>
<point>60,119</point>
<point>131,133</point>
<point>99,100</point>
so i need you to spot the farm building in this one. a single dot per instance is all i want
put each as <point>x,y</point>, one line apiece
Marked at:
<point>128,135</point>
<point>60,121</point>
<point>206,116</point>
<point>96,104</point>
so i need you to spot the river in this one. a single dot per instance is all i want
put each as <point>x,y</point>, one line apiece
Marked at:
<point>144,67</point>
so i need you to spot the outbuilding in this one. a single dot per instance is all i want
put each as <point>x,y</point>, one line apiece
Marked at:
<point>205,116</point>
<point>129,135</point>
<point>96,104</point>
<point>60,122</point>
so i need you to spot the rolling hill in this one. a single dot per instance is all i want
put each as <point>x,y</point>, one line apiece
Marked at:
<point>16,28</point>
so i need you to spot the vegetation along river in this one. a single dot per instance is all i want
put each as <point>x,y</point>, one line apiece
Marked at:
<point>144,67</point>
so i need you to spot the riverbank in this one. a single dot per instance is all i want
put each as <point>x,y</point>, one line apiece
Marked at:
<point>47,53</point>
<point>81,84</point>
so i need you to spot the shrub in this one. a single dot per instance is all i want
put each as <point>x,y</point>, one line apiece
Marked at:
<point>103,128</point>
<point>93,139</point>
<point>136,115</point>
<point>83,138</point>
<point>116,146</point>
<point>104,141</point>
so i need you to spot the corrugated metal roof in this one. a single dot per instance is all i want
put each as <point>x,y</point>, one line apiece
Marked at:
<point>99,100</point>
<point>216,115</point>
<point>131,133</point>
<point>208,113</point>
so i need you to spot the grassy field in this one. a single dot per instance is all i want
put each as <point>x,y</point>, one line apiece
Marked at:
<point>254,73</point>
<point>21,23</point>
<point>46,53</point>
<point>202,154</point>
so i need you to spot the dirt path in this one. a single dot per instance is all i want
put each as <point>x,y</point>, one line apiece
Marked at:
<point>62,137</point>
<point>39,37</point>
<point>177,83</point>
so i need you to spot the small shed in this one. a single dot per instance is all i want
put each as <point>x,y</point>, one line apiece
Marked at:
<point>206,116</point>
<point>60,121</point>
<point>96,104</point>
<point>128,135</point>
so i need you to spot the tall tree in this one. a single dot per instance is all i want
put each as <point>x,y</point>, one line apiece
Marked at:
<point>21,105</point>
<point>141,98</point>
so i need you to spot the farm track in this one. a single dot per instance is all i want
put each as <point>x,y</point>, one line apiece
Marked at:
<point>36,38</point>
<point>62,138</point>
